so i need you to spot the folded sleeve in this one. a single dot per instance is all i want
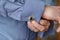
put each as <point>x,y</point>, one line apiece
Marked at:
<point>33,8</point>
<point>21,10</point>
<point>2,10</point>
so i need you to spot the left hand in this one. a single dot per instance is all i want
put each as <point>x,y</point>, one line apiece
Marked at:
<point>43,25</point>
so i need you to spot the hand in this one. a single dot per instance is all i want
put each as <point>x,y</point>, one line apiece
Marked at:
<point>52,13</point>
<point>37,27</point>
<point>45,23</point>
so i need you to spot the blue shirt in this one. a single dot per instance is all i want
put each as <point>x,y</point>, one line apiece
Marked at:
<point>14,15</point>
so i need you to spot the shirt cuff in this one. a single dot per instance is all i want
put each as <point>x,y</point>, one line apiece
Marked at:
<point>34,9</point>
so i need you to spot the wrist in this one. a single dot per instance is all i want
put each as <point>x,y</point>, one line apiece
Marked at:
<point>46,12</point>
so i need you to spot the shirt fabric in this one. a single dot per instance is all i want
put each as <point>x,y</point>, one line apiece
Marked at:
<point>14,16</point>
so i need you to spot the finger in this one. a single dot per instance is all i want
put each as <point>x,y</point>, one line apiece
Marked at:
<point>31,27</point>
<point>58,29</point>
<point>35,30</point>
<point>44,22</point>
<point>38,26</point>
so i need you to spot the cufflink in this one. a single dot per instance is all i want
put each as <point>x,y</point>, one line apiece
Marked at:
<point>30,18</point>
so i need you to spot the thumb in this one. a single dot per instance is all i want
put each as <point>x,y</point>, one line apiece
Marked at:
<point>58,29</point>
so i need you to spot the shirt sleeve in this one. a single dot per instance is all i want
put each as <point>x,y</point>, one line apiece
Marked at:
<point>21,10</point>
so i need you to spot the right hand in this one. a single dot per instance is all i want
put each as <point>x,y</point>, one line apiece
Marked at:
<point>52,13</point>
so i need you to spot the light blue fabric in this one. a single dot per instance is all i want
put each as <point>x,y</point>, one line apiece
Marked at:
<point>11,29</point>
<point>48,2</point>
<point>21,10</point>
<point>14,15</point>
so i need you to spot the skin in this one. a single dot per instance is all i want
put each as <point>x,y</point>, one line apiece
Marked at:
<point>38,27</point>
<point>50,13</point>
